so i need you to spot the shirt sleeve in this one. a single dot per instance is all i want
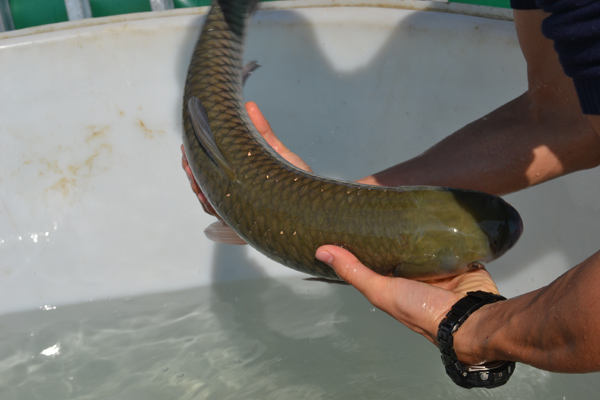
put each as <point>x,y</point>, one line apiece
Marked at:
<point>574,25</point>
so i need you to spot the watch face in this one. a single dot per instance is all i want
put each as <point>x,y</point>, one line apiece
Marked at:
<point>484,367</point>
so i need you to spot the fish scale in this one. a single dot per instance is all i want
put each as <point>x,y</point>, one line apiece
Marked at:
<point>286,213</point>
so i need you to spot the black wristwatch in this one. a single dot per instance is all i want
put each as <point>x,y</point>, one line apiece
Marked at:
<point>489,375</point>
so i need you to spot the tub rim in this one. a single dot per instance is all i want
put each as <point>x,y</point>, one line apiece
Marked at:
<point>414,5</point>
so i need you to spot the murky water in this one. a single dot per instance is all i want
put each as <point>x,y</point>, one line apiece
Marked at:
<point>260,339</point>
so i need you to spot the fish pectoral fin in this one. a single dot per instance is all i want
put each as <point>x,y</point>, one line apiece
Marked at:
<point>205,136</point>
<point>248,70</point>
<point>220,232</point>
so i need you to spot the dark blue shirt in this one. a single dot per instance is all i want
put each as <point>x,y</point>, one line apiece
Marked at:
<point>574,26</point>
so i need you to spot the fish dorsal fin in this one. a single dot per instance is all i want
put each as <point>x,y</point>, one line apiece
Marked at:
<point>220,232</point>
<point>248,70</point>
<point>205,136</point>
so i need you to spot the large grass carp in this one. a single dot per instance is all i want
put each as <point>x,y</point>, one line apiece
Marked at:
<point>420,232</point>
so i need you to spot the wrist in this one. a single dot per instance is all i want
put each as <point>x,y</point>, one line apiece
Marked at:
<point>473,343</point>
<point>470,343</point>
<point>481,373</point>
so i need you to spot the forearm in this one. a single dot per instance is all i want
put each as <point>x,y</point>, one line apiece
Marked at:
<point>510,149</point>
<point>552,328</point>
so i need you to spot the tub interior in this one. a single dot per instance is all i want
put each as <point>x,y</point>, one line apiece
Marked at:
<point>101,240</point>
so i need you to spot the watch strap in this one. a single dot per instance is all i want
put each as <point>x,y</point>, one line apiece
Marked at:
<point>489,375</point>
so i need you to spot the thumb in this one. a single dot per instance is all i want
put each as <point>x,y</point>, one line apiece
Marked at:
<point>371,284</point>
<point>413,303</point>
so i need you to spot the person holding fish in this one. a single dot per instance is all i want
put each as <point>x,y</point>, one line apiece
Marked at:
<point>551,130</point>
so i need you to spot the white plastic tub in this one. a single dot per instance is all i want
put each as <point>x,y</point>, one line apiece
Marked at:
<point>94,206</point>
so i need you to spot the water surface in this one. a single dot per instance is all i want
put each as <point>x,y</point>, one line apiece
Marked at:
<point>257,339</point>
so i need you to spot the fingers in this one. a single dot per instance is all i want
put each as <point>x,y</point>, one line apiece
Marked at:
<point>188,172</point>
<point>473,280</point>
<point>373,286</point>
<point>195,187</point>
<point>262,126</point>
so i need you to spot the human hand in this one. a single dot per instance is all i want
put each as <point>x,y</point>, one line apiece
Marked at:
<point>263,127</point>
<point>421,306</point>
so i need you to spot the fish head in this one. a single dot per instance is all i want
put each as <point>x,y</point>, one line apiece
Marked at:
<point>503,232</point>
<point>461,228</point>
<point>498,221</point>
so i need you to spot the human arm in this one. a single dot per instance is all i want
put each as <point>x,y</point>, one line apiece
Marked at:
<point>553,328</point>
<point>536,137</point>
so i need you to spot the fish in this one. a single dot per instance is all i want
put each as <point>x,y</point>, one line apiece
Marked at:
<point>416,232</point>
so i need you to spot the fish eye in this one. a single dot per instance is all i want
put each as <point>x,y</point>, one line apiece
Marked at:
<point>495,245</point>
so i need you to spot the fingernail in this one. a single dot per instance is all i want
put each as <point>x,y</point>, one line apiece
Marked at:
<point>324,256</point>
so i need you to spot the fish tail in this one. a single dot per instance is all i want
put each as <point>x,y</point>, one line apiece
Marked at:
<point>235,13</point>
<point>219,48</point>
